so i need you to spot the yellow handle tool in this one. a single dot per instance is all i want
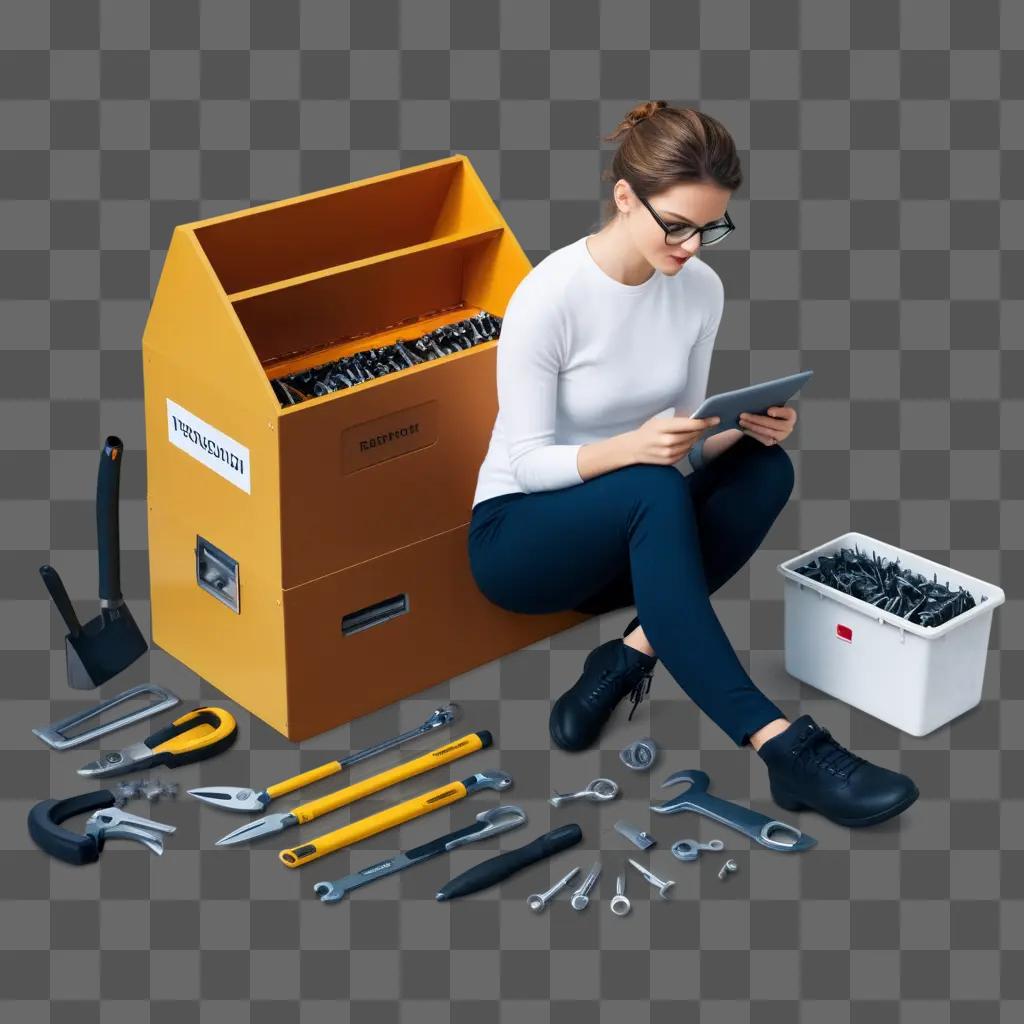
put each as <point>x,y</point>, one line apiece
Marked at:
<point>381,822</point>
<point>246,798</point>
<point>194,736</point>
<point>468,744</point>
<point>272,823</point>
<point>305,779</point>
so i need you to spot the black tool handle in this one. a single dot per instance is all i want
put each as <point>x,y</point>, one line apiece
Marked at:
<point>55,585</point>
<point>108,540</point>
<point>436,846</point>
<point>172,760</point>
<point>499,868</point>
<point>44,822</point>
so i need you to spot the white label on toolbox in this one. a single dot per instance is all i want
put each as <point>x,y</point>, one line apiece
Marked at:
<point>214,449</point>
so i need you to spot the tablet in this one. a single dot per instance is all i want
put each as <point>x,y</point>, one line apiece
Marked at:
<point>756,399</point>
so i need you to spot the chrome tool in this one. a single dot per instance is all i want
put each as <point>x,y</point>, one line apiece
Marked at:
<point>598,791</point>
<point>636,836</point>
<point>620,902</point>
<point>758,827</point>
<point>539,900</point>
<point>690,849</point>
<point>62,735</point>
<point>658,883</point>
<point>581,897</point>
<point>491,822</point>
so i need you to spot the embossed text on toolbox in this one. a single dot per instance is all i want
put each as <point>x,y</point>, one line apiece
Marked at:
<point>397,433</point>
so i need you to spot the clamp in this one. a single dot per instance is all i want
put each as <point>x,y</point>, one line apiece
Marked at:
<point>106,822</point>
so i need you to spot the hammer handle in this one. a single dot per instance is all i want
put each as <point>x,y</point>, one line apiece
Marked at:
<point>108,541</point>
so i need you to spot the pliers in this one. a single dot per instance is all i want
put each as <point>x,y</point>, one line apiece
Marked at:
<point>192,737</point>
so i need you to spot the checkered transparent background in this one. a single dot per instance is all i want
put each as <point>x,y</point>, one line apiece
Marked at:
<point>879,243</point>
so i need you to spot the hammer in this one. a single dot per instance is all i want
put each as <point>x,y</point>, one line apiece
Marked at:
<point>110,642</point>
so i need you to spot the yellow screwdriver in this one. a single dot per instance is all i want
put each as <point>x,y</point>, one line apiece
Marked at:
<point>273,823</point>
<point>381,822</point>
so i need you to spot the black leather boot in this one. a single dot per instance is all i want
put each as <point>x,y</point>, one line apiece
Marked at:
<point>808,768</point>
<point>610,671</point>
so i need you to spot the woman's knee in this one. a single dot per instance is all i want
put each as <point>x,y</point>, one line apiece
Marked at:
<point>781,471</point>
<point>645,478</point>
<point>772,478</point>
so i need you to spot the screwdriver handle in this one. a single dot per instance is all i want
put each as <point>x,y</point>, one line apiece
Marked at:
<point>468,744</point>
<point>372,825</point>
<point>497,869</point>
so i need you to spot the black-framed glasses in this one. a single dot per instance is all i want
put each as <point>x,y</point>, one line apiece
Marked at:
<point>710,234</point>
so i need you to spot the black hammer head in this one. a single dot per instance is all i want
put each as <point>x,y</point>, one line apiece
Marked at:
<point>106,645</point>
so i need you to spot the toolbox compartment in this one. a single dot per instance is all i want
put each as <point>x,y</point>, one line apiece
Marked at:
<point>310,561</point>
<point>278,242</point>
<point>914,677</point>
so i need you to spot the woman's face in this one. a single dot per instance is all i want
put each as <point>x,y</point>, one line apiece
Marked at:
<point>696,203</point>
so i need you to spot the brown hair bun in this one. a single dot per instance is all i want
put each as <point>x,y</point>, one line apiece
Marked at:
<point>641,112</point>
<point>664,145</point>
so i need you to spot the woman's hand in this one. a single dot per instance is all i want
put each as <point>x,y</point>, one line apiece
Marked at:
<point>771,429</point>
<point>664,440</point>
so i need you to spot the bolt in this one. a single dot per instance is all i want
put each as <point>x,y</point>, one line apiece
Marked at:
<point>660,884</point>
<point>581,897</point>
<point>727,869</point>
<point>620,902</point>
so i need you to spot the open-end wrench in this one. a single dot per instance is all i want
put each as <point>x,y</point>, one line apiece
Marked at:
<point>758,827</point>
<point>491,822</point>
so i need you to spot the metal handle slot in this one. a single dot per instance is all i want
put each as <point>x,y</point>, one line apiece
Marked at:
<point>374,614</point>
<point>217,573</point>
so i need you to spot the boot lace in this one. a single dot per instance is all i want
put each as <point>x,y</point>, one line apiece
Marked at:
<point>611,685</point>
<point>821,748</point>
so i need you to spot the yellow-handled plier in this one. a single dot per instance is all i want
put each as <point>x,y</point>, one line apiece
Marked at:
<point>192,737</point>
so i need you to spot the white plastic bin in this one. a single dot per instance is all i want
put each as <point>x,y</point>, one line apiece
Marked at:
<point>913,677</point>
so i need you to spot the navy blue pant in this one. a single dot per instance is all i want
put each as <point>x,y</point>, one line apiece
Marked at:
<point>645,535</point>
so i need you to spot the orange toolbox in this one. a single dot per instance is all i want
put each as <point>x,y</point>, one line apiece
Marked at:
<point>310,560</point>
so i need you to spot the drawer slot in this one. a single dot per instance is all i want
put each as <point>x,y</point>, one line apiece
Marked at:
<point>375,614</point>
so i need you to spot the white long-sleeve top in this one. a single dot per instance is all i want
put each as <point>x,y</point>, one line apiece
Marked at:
<point>582,357</point>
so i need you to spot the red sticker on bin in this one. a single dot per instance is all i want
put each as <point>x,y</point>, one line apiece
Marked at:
<point>844,632</point>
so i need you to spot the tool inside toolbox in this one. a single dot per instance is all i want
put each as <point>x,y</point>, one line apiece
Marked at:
<point>883,584</point>
<point>368,364</point>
